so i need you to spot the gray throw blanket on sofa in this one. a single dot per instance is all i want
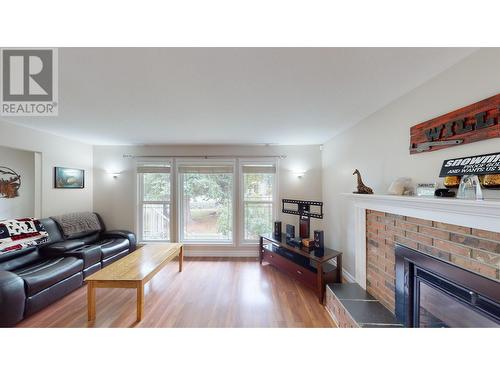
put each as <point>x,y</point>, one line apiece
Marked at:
<point>80,222</point>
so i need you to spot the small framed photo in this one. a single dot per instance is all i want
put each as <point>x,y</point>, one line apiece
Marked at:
<point>69,178</point>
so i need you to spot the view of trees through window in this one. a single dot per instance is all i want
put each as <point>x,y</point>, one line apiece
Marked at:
<point>258,204</point>
<point>155,206</point>
<point>156,186</point>
<point>207,206</point>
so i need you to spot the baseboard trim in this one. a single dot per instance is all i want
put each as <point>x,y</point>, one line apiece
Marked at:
<point>221,253</point>
<point>349,278</point>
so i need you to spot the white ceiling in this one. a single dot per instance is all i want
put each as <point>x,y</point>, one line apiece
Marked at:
<point>230,95</point>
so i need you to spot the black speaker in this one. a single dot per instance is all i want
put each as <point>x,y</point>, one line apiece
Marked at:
<point>290,231</point>
<point>319,239</point>
<point>277,229</point>
<point>304,222</point>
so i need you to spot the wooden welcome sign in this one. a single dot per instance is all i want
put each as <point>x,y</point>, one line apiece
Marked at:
<point>469,124</point>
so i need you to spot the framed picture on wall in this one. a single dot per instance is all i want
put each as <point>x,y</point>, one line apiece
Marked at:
<point>69,178</point>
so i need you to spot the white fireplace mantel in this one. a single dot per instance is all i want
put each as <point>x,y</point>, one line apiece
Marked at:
<point>483,214</point>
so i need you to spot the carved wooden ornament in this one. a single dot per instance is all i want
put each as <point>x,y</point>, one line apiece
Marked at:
<point>10,182</point>
<point>473,123</point>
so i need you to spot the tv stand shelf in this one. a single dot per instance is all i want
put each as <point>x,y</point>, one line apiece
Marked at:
<point>312,268</point>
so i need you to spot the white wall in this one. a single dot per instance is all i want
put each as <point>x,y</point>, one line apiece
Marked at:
<point>54,151</point>
<point>378,146</point>
<point>23,163</point>
<point>114,199</point>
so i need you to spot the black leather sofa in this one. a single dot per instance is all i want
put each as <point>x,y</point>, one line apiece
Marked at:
<point>35,277</point>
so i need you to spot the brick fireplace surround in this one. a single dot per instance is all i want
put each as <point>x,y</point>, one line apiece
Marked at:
<point>476,250</point>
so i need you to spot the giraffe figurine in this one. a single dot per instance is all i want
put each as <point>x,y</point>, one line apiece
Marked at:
<point>362,188</point>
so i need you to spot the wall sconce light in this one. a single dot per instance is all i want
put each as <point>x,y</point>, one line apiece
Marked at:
<point>299,173</point>
<point>115,174</point>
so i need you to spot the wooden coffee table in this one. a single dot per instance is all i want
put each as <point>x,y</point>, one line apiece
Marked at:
<point>133,271</point>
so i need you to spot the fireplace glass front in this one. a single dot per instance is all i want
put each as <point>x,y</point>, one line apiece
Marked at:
<point>437,309</point>
<point>432,293</point>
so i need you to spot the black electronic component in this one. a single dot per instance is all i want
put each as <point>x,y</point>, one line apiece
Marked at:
<point>319,239</point>
<point>444,193</point>
<point>277,229</point>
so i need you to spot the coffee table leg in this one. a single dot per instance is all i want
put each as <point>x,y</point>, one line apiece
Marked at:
<point>140,302</point>
<point>181,258</point>
<point>91,301</point>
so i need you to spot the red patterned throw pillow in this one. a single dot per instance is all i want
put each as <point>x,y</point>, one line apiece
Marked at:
<point>21,233</point>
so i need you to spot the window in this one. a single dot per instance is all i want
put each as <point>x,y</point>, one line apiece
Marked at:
<point>258,192</point>
<point>205,208</point>
<point>206,202</point>
<point>154,201</point>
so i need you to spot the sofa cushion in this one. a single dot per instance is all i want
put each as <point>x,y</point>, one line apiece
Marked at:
<point>113,246</point>
<point>122,234</point>
<point>50,295</point>
<point>106,262</point>
<point>64,246</point>
<point>46,273</point>
<point>52,229</point>
<point>90,238</point>
<point>15,259</point>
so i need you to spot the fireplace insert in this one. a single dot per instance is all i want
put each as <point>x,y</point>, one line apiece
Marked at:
<point>433,293</point>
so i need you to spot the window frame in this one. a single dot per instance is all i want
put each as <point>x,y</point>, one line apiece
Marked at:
<point>274,201</point>
<point>140,198</point>
<point>180,200</point>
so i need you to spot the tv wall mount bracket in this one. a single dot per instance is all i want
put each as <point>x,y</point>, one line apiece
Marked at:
<point>303,208</point>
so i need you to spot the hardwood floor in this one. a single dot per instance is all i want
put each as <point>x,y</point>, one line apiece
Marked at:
<point>210,292</point>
